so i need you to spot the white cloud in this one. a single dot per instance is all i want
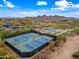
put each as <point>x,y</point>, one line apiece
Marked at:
<point>28,13</point>
<point>41,3</point>
<point>43,10</point>
<point>1,5</point>
<point>59,8</point>
<point>64,4</point>
<point>76,6</point>
<point>77,13</point>
<point>8,4</point>
<point>24,14</point>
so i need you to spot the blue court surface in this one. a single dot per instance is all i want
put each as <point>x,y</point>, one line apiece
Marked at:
<point>51,29</point>
<point>28,42</point>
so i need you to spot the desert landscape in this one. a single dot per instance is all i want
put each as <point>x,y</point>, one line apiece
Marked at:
<point>39,29</point>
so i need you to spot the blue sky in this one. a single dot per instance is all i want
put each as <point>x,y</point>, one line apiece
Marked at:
<point>22,8</point>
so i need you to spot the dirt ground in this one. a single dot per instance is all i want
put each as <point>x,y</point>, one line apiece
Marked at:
<point>69,47</point>
<point>66,51</point>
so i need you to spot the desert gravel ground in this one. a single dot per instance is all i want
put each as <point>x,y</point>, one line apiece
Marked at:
<point>66,51</point>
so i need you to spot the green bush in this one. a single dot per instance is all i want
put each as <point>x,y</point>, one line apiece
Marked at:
<point>76,30</point>
<point>63,37</point>
<point>63,26</point>
<point>11,34</point>
<point>5,54</point>
<point>1,43</point>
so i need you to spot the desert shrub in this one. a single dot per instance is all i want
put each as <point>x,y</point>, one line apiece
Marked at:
<point>63,26</point>
<point>41,56</point>
<point>62,37</point>
<point>5,54</point>
<point>8,34</point>
<point>76,30</point>
<point>76,55</point>
<point>1,43</point>
<point>1,34</point>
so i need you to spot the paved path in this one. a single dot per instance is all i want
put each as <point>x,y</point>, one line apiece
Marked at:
<point>65,52</point>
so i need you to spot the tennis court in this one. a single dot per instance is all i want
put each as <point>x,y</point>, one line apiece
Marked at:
<point>28,43</point>
<point>51,29</point>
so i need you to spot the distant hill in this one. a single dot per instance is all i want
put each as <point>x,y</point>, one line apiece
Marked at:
<point>44,17</point>
<point>55,17</point>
